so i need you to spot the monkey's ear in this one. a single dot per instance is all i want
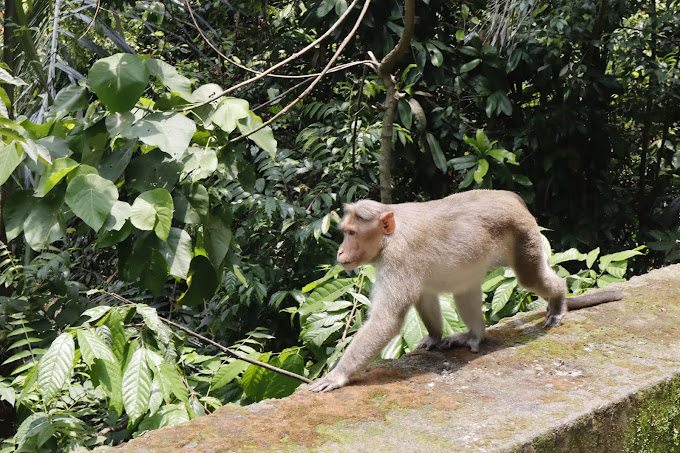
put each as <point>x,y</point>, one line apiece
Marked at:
<point>388,223</point>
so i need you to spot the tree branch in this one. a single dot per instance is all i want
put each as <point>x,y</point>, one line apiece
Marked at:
<point>226,350</point>
<point>384,70</point>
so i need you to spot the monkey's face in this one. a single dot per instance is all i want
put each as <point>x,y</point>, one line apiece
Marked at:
<point>363,241</point>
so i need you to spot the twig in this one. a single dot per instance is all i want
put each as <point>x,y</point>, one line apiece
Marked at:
<point>309,89</point>
<point>227,351</point>
<point>354,309</point>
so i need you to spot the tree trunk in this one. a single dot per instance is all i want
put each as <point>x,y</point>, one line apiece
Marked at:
<point>391,99</point>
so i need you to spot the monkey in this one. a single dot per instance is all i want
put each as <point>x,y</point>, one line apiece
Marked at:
<point>442,246</point>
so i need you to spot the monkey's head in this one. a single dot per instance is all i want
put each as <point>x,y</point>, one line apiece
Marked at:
<point>364,225</point>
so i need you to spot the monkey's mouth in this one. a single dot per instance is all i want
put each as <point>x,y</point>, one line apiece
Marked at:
<point>348,264</point>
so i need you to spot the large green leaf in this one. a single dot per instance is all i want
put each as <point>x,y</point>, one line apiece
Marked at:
<point>327,292</point>
<point>120,212</point>
<point>55,366</point>
<point>137,385</point>
<point>36,426</point>
<point>199,163</point>
<point>91,198</point>
<point>202,282</point>
<point>568,255</point>
<point>54,173</point>
<point>217,238</point>
<point>69,99</point>
<point>93,347</point>
<point>502,295</point>
<point>152,210</point>
<point>169,77</point>
<point>264,138</point>
<point>108,375</point>
<point>119,80</point>
<point>228,373</point>
<point>10,158</point>
<point>177,252</point>
<point>228,112</point>
<point>413,330</point>
<point>259,383</point>
<point>170,132</point>
<point>191,202</point>
<point>17,207</point>
<point>153,170</point>
<point>44,223</point>
<point>154,323</point>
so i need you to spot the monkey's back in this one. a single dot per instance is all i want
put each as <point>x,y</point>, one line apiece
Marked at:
<point>467,232</point>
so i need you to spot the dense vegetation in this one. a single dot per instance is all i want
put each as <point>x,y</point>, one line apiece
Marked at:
<point>139,182</point>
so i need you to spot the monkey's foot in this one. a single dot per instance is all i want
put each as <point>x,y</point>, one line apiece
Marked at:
<point>461,339</point>
<point>328,383</point>
<point>553,319</point>
<point>428,343</point>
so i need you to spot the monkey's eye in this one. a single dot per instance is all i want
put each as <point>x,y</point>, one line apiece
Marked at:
<point>351,233</point>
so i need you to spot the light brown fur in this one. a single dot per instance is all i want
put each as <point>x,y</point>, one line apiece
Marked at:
<point>447,245</point>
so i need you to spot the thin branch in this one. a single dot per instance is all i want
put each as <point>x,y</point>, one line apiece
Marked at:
<point>309,89</point>
<point>227,351</point>
<point>269,71</point>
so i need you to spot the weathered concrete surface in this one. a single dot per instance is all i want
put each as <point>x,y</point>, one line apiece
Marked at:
<point>608,380</point>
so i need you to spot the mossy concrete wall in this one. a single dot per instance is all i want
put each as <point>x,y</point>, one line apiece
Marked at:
<point>607,380</point>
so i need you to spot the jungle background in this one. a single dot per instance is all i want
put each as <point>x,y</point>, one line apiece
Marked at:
<point>187,161</point>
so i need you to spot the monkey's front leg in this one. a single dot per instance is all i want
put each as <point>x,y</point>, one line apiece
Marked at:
<point>372,337</point>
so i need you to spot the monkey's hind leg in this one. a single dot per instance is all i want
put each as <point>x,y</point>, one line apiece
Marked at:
<point>535,275</point>
<point>430,313</point>
<point>469,306</point>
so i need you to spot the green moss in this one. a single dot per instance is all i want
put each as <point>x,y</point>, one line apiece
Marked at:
<point>655,425</point>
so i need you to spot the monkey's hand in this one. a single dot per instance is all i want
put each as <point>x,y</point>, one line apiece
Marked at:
<point>428,343</point>
<point>329,382</point>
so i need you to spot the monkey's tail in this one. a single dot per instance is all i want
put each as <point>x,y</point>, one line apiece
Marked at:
<point>592,299</point>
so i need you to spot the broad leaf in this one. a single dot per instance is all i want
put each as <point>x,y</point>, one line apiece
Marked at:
<point>199,163</point>
<point>152,210</point>
<point>177,252</point>
<point>170,132</point>
<point>91,198</point>
<point>169,77</point>
<point>202,282</point>
<point>44,223</point>
<point>17,207</point>
<point>136,385</point>
<point>502,295</point>
<point>413,330</point>
<point>228,112</point>
<point>93,347</point>
<point>217,238</point>
<point>56,366</point>
<point>119,80</point>
<point>10,158</point>
<point>69,99</point>
<point>264,138</point>
<point>54,173</point>
<point>191,202</point>
<point>482,169</point>
<point>37,426</point>
<point>120,212</point>
<point>228,373</point>
<point>153,170</point>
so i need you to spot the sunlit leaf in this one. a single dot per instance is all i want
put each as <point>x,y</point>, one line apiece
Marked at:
<point>56,366</point>
<point>119,80</point>
<point>91,198</point>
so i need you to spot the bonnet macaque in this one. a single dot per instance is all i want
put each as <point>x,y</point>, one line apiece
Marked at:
<point>447,245</point>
